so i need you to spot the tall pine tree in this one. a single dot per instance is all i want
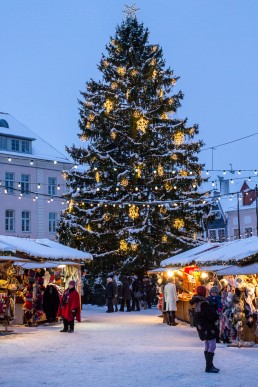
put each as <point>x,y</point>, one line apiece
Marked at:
<point>136,200</point>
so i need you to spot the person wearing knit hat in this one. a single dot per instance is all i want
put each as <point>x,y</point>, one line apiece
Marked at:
<point>205,317</point>
<point>70,307</point>
<point>214,299</point>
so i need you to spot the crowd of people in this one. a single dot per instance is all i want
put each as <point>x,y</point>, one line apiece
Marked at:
<point>129,294</point>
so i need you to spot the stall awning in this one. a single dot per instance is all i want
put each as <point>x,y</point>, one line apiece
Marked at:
<point>214,268</point>
<point>44,265</point>
<point>211,253</point>
<point>239,270</point>
<point>43,248</point>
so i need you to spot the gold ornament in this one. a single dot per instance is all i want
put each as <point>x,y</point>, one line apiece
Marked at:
<point>121,71</point>
<point>173,82</point>
<point>124,182</point>
<point>168,186</point>
<point>160,93</point>
<point>134,246</point>
<point>154,74</point>
<point>183,172</point>
<point>88,103</point>
<point>71,203</point>
<point>160,170</point>
<point>179,138</point>
<point>113,85</point>
<point>88,125</point>
<point>105,63</point>
<point>88,227</point>
<point>65,175</point>
<point>113,41</point>
<point>133,211</point>
<point>113,134</point>
<point>164,116</point>
<point>134,72</point>
<point>123,245</point>
<point>136,114</point>
<point>108,105</point>
<point>192,131</point>
<point>127,94</point>
<point>106,217</point>
<point>84,137</point>
<point>142,124</point>
<point>91,117</point>
<point>174,156</point>
<point>154,48</point>
<point>97,177</point>
<point>163,210</point>
<point>171,101</point>
<point>164,238</point>
<point>153,62</point>
<point>178,223</point>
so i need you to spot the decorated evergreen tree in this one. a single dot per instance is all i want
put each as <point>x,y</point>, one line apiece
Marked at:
<point>134,199</point>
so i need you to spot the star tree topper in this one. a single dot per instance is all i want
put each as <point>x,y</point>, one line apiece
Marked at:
<point>130,11</point>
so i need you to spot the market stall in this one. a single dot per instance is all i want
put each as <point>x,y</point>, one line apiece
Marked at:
<point>38,282</point>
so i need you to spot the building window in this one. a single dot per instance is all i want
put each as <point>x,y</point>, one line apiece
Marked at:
<point>221,235</point>
<point>52,186</point>
<point>3,143</point>
<point>236,233</point>
<point>248,232</point>
<point>52,222</point>
<point>4,124</point>
<point>15,145</point>
<point>25,146</point>
<point>25,184</point>
<point>9,182</point>
<point>212,235</point>
<point>9,220</point>
<point>25,221</point>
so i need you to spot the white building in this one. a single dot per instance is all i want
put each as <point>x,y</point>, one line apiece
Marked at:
<point>31,182</point>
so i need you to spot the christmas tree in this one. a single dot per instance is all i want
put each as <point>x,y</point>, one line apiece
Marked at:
<point>136,200</point>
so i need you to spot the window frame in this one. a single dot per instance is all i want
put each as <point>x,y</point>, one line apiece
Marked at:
<point>10,221</point>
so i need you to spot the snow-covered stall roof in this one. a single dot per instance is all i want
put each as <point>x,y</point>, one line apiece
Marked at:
<point>44,248</point>
<point>43,265</point>
<point>188,256</point>
<point>6,248</point>
<point>239,270</point>
<point>5,258</point>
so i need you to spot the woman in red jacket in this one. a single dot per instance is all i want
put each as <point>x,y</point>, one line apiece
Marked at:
<point>70,308</point>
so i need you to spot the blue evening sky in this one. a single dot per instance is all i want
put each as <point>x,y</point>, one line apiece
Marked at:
<point>50,48</point>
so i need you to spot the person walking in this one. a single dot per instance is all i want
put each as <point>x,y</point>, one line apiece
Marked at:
<point>110,294</point>
<point>170,296</point>
<point>70,307</point>
<point>205,319</point>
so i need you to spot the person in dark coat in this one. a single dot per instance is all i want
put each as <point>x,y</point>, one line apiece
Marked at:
<point>50,304</point>
<point>110,294</point>
<point>136,294</point>
<point>205,320</point>
<point>126,295</point>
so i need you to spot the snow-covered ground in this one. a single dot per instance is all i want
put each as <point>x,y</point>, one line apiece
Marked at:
<point>122,350</point>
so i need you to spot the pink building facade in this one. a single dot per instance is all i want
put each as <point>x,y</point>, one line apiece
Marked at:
<point>31,181</point>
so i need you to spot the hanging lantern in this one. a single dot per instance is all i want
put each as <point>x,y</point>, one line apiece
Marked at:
<point>97,177</point>
<point>183,172</point>
<point>124,182</point>
<point>108,105</point>
<point>174,156</point>
<point>91,117</point>
<point>105,63</point>
<point>164,238</point>
<point>179,138</point>
<point>121,71</point>
<point>142,124</point>
<point>123,245</point>
<point>113,134</point>
<point>113,85</point>
<point>160,170</point>
<point>134,246</point>
<point>171,101</point>
<point>178,223</point>
<point>134,212</point>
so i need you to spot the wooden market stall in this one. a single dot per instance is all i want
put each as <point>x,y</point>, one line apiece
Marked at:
<point>46,263</point>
